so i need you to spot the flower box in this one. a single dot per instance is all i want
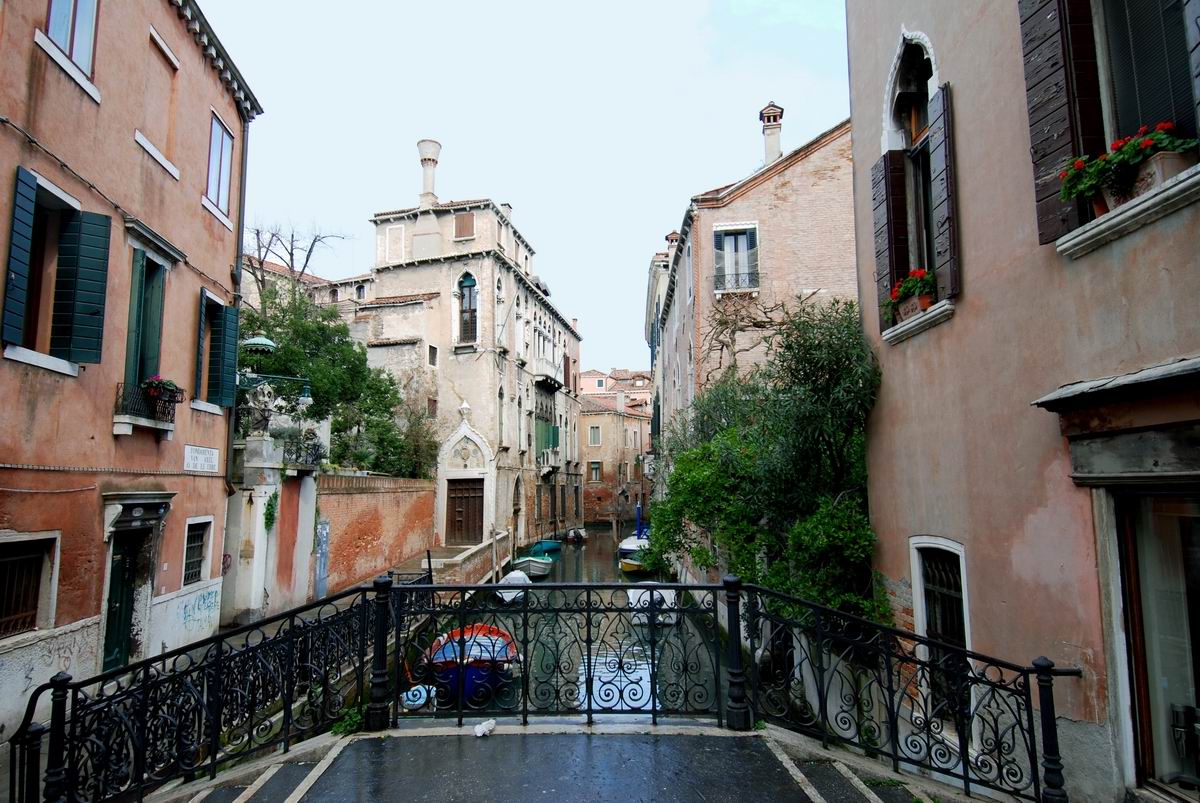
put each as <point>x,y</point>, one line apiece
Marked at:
<point>1154,172</point>
<point>912,306</point>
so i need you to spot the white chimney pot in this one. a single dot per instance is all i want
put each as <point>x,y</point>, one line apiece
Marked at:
<point>429,150</point>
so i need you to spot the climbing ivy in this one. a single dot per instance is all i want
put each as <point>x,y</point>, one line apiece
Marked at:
<point>271,511</point>
<point>767,469</point>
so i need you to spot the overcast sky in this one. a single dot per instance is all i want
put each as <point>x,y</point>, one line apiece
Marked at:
<point>597,123</point>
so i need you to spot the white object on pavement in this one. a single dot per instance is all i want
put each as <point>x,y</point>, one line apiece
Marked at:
<point>485,728</point>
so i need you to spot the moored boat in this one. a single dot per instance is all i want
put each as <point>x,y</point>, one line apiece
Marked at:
<point>514,578</point>
<point>663,601</point>
<point>633,565</point>
<point>577,535</point>
<point>476,659</point>
<point>534,565</point>
<point>545,546</point>
<point>633,544</point>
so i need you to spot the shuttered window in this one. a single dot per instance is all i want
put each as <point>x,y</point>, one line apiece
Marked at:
<point>735,255</point>
<point>215,379</point>
<point>73,293</point>
<point>143,342</point>
<point>1062,95</point>
<point>1148,64</point>
<point>464,225</point>
<point>468,330</point>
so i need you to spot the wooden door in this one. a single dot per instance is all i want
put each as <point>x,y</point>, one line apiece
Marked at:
<point>464,512</point>
<point>119,620</point>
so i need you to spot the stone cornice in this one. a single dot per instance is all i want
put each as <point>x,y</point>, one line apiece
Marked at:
<point>217,57</point>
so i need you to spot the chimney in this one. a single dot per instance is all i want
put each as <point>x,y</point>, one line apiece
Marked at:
<point>429,150</point>
<point>771,117</point>
<point>673,238</point>
<point>507,209</point>
<point>575,324</point>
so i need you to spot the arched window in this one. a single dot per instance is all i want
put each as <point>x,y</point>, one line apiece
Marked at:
<point>503,415</point>
<point>911,112</point>
<point>360,292</point>
<point>468,314</point>
<point>333,296</point>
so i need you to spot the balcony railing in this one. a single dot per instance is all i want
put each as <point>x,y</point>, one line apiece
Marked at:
<point>304,452</point>
<point>736,281</point>
<point>139,402</point>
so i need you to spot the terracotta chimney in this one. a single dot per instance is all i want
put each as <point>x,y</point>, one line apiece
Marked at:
<point>772,120</point>
<point>429,151</point>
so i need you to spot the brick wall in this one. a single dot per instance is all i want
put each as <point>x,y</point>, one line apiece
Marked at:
<point>375,523</point>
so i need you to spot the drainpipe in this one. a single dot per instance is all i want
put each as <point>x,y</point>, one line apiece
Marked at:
<point>230,490</point>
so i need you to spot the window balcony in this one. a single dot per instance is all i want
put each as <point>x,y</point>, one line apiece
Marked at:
<point>548,372</point>
<point>732,282</point>
<point>140,407</point>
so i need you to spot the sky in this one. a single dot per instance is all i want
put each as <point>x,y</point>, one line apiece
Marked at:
<point>597,122</point>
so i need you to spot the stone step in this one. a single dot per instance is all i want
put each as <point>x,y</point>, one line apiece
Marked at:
<point>282,783</point>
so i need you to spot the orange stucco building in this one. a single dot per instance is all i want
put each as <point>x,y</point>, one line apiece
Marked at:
<point>122,152</point>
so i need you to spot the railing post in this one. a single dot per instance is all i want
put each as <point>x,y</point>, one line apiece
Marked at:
<point>1052,766</point>
<point>56,769</point>
<point>377,709</point>
<point>738,710</point>
<point>31,773</point>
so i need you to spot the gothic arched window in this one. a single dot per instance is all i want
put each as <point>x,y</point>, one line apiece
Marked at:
<point>468,315</point>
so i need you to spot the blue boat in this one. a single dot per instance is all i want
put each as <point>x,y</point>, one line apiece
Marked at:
<point>544,547</point>
<point>482,654</point>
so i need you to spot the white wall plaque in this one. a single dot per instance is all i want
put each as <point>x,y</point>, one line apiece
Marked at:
<point>201,459</point>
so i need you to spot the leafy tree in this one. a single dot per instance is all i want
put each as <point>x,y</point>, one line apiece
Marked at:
<point>767,473</point>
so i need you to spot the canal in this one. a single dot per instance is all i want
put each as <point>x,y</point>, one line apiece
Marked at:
<point>594,560</point>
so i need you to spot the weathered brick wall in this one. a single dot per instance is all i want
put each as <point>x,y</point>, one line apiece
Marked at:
<point>375,523</point>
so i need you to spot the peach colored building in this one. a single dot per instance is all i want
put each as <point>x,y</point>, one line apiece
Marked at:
<point>122,144</point>
<point>783,232</point>
<point>1034,455</point>
<point>614,438</point>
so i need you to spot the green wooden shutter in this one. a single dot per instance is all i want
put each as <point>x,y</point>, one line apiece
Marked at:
<point>152,314</point>
<point>133,338</point>
<point>891,226</point>
<point>222,362</point>
<point>941,174</point>
<point>718,252</point>
<point>198,385</point>
<point>20,243</point>
<point>80,288</point>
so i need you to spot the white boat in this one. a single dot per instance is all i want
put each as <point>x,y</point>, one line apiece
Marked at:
<point>632,545</point>
<point>665,601</point>
<point>534,566</point>
<point>513,578</point>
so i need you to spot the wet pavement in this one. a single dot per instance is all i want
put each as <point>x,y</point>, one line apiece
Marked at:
<point>558,767</point>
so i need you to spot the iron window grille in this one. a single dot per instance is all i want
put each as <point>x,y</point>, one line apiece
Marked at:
<point>193,553</point>
<point>20,584</point>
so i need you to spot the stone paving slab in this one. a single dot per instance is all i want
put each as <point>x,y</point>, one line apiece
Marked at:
<point>558,767</point>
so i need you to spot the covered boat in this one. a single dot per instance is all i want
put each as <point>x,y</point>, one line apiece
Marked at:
<point>545,547</point>
<point>633,544</point>
<point>577,535</point>
<point>513,578</point>
<point>479,657</point>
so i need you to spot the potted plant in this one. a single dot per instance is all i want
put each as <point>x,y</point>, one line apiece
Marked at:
<point>156,387</point>
<point>912,295</point>
<point>1139,163</point>
<point>1133,166</point>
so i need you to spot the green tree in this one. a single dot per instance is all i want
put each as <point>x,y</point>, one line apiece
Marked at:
<point>767,472</point>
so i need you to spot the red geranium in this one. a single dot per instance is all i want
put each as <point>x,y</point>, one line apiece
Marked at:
<point>1080,164</point>
<point>1146,143</point>
<point>895,292</point>
<point>1144,129</point>
<point>1165,125</point>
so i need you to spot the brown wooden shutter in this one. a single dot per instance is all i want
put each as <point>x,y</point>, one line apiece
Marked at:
<point>941,174</point>
<point>1062,94</point>
<point>464,225</point>
<point>1191,23</point>
<point>891,225</point>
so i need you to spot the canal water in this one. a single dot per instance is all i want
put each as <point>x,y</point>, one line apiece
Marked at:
<point>593,561</point>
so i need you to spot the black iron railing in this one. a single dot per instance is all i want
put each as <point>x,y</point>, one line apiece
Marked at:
<point>736,281</point>
<point>156,405</point>
<point>304,452</point>
<point>408,648</point>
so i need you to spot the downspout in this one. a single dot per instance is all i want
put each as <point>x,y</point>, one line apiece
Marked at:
<point>230,490</point>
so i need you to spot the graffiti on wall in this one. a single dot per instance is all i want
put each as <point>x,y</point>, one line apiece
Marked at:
<point>199,612</point>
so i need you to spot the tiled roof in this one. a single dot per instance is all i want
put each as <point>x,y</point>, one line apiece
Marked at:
<point>395,341</point>
<point>439,205</point>
<point>284,270</point>
<point>408,299</point>
<point>608,404</point>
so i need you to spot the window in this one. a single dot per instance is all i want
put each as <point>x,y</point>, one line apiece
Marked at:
<point>520,423</point>
<point>578,494</point>
<point>55,306</point>
<point>593,436</point>
<point>194,551</point>
<point>945,621</point>
<point>23,572</point>
<point>562,496</point>
<point>216,349</point>
<point>143,342</point>
<point>600,383</point>
<point>433,356</point>
<point>464,225</point>
<point>736,259</point>
<point>595,474</point>
<point>360,292</point>
<point>72,26</point>
<point>220,165</point>
<point>691,277</point>
<point>431,407</point>
<point>537,505</point>
<point>502,414</point>
<point>333,296</point>
<point>912,189</point>
<point>468,320</point>
<point>1147,54</point>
